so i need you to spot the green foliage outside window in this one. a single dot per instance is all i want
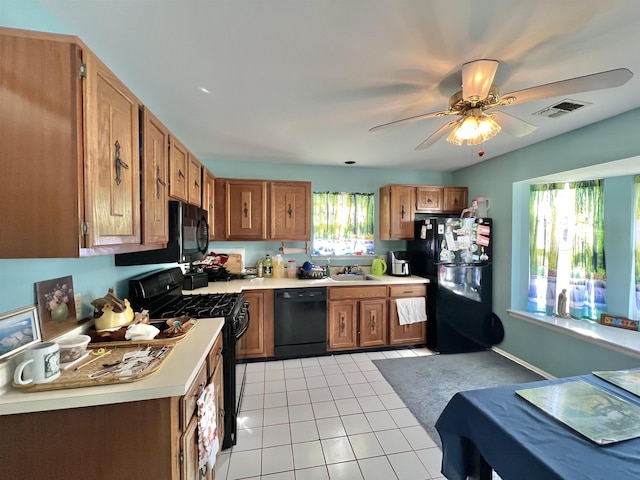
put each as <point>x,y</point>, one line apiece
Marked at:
<point>343,223</point>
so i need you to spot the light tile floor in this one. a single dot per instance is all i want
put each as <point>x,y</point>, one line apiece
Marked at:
<point>327,418</point>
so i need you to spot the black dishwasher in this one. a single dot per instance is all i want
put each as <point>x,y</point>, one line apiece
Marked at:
<point>300,323</point>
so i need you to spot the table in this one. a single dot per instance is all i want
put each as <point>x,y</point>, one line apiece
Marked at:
<point>494,428</point>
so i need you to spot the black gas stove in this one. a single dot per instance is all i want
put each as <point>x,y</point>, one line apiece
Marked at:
<point>161,293</point>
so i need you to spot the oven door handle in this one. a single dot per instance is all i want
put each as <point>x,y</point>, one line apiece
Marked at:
<point>245,323</point>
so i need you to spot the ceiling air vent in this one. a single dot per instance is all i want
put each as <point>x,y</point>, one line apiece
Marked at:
<point>560,109</point>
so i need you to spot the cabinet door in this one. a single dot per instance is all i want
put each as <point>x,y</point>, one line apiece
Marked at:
<point>40,188</point>
<point>258,340</point>
<point>194,180</point>
<point>112,159</point>
<point>155,177</point>
<point>373,322</point>
<point>429,199</point>
<point>290,210</point>
<point>396,212</point>
<point>218,381</point>
<point>412,334</point>
<point>189,458</point>
<point>455,199</point>
<point>189,451</point>
<point>178,170</point>
<point>342,325</point>
<point>208,200</point>
<point>246,209</point>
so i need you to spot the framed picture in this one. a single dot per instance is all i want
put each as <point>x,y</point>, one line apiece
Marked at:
<point>19,329</point>
<point>56,307</point>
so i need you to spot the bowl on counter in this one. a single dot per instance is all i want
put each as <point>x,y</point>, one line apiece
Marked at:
<point>73,347</point>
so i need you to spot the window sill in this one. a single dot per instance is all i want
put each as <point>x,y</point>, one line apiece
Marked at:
<point>626,342</point>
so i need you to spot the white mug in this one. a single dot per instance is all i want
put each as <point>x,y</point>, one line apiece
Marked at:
<point>41,364</point>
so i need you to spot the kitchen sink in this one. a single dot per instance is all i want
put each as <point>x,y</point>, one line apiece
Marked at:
<point>350,277</point>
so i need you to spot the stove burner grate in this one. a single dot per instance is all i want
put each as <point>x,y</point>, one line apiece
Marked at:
<point>203,306</point>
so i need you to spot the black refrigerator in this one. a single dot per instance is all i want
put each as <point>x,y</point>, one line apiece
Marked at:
<point>455,254</point>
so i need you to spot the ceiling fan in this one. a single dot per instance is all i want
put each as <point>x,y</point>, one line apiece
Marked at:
<point>479,94</point>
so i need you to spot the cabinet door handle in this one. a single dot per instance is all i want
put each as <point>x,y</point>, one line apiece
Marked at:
<point>290,211</point>
<point>200,390</point>
<point>245,210</point>
<point>159,182</point>
<point>342,325</point>
<point>402,212</point>
<point>197,185</point>
<point>180,174</point>
<point>373,322</point>
<point>119,163</point>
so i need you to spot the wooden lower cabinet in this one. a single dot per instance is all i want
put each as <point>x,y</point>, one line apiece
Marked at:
<point>342,329</point>
<point>414,333</point>
<point>258,341</point>
<point>357,317</point>
<point>129,441</point>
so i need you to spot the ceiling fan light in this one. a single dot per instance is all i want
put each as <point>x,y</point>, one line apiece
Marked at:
<point>488,128</point>
<point>474,130</point>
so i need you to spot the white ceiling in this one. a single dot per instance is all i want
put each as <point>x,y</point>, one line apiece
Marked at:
<point>303,81</point>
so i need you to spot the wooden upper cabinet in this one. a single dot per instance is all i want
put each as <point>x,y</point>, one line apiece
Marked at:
<point>178,170</point>
<point>195,181</point>
<point>155,175</point>
<point>245,209</point>
<point>455,199</point>
<point>435,199</point>
<point>290,210</point>
<point>70,151</point>
<point>429,199</point>
<point>185,174</point>
<point>397,212</point>
<point>209,200</point>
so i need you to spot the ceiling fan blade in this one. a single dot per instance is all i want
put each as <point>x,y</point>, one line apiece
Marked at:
<point>513,125</point>
<point>595,81</point>
<point>434,137</point>
<point>477,77</point>
<point>409,119</point>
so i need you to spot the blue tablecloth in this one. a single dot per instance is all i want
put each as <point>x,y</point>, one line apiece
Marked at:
<point>520,441</point>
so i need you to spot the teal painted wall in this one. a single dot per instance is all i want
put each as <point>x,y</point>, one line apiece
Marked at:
<point>504,181</point>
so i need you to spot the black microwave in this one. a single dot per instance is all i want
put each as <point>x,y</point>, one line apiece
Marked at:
<point>188,238</point>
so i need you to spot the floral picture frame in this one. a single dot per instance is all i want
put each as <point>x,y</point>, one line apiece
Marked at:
<point>52,294</point>
<point>19,329</point>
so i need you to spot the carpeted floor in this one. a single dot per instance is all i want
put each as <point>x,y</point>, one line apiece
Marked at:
<point>426,384</point>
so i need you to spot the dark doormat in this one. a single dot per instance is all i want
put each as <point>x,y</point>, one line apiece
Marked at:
<point>427,383</point>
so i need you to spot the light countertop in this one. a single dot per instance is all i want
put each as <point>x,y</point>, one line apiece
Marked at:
<point>235,286</point>
<point>171,380</point>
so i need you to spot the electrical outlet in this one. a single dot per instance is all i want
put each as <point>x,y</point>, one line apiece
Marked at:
<point>77,298</point>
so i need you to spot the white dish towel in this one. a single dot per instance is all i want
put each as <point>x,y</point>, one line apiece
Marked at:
<point>411,310</point>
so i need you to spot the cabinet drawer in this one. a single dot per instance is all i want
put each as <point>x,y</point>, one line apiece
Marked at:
<point>215,354</point>
<point>339,293</point>
<point>407,291</point>
<point>188,404</point>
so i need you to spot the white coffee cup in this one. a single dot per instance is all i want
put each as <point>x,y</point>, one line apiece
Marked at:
<point>41,364</point>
